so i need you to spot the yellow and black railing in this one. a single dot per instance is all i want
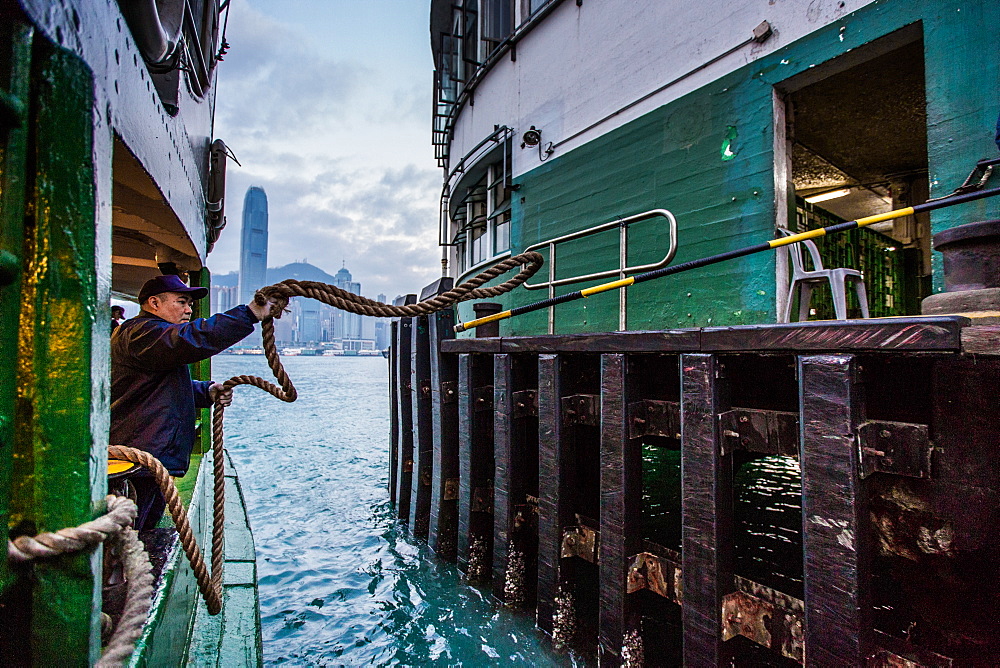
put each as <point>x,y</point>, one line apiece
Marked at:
<point>931,205</point>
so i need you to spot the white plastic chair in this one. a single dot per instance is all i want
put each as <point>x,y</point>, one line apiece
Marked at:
<point>805,281</point>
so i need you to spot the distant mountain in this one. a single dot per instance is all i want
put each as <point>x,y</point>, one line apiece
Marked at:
<point>300,271</point>
<point>230,280</point>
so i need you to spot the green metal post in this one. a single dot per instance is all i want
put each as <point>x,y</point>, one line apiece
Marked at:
<point>15,41</point>
<point>202,370</point>
<point>61,384</point>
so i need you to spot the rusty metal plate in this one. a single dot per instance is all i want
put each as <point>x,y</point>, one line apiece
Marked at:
<point>451,489</point>
<point>766,616</point>
<point>582,409</point>
<point>449,392</point>
<point>654,418</point>
<point>482,398</point>
<point>525,403</point>
<point>764,431</point>
<point>657,574</point>
<point>900,448</point>
<point>580,541</point>
<point>482,499</point>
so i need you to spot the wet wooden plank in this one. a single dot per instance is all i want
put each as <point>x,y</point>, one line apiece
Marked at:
<point>442,530</point>
<point>554,494</point>
<point>503,504</point>
<point>981,340</point>
<point>883,334</point>
<point>706,509</point>
<point>423,431</point>
<point>667,340</point>
<point>836,532</point>
<point>393,413</point>
<point>466,419</point>
<point>621,506</point>
<point>402,345</point>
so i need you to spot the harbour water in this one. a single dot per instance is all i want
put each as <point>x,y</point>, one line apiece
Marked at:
<point>340,582</point>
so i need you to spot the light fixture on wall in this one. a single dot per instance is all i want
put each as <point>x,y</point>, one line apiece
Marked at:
<point>533,137</point>
<point>830,194</point>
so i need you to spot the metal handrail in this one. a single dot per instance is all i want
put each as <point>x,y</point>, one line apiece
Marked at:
<point>623,268</point>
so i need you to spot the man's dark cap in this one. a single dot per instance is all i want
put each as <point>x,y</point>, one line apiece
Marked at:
<point>168,283</point>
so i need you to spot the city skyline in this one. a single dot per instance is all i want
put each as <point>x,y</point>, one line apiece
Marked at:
<point>346,158</point>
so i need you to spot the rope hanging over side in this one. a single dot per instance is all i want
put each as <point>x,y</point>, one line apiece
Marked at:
<point>114,527</point>
<point>210,585</point>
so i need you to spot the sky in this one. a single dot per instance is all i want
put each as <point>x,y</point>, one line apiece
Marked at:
<point>326,104</point>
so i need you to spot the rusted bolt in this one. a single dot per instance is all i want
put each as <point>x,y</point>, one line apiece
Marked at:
<point>733,619</point>
<point>744,418</point>
<point>885,433</point>
<point>520,404</point>
<point>745,440</point>
<point>583,402</point>
<point>727,432</point>
<point>873,451</point>
<point>570,411</point>
<point>638,420</point>
<point>480,400</point>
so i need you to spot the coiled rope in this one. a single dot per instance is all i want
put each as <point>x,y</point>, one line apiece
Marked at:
<point>210,583</point>
<point>115,528</point>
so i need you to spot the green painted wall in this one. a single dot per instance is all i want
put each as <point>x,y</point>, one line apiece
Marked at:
<point>59,478</point>
<point>708,157</point>
<point>15,39</point>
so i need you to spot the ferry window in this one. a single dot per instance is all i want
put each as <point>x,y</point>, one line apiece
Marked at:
<point>535,5</point>
<point>479,244</point>
<point>499,204</point>
<point>497,23</point>
<point>470,36</point>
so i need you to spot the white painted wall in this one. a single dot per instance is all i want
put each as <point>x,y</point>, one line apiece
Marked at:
<point>583,63</point>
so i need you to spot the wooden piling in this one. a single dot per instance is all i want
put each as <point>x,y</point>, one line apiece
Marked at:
<point>476,470</point>
<point>836,534</point>
<point>402,359</point>
<point>443,523</point>
<point>555,510</point>
<point>621,503</point>
<point>423,432</point>
<point>706,510</point>
<point>393,413</point>
<point>503,504</point>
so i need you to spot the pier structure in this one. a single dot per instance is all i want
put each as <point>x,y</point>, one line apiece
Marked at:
<point>592,481</point>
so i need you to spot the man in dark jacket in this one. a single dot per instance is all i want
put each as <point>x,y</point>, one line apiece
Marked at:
<point>153,399</point>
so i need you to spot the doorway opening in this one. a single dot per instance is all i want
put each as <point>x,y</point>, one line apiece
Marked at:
<point>856,141</point>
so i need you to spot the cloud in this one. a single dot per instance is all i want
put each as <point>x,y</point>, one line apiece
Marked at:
<point>342,148</point>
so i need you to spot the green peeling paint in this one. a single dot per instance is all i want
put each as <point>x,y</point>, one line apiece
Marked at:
<point>728,152</point>
<point>13,155</point>
<point>61,385</point>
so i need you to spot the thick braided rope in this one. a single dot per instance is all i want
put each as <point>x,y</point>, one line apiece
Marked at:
<point>348,301</point>
<point>121,513</point>
<point>114,527</point>
<point>138,574</point>
<point>209,585</point>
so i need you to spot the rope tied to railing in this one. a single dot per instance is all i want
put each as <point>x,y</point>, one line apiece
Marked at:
<point>114,528</point>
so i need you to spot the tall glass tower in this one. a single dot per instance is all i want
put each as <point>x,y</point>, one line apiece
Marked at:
<point>253,247</point>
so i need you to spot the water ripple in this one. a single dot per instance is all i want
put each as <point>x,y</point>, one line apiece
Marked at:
<point>340,582</point>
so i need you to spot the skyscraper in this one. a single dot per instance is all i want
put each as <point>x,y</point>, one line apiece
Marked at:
<point>347,325</point>
<point>253,246</point>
